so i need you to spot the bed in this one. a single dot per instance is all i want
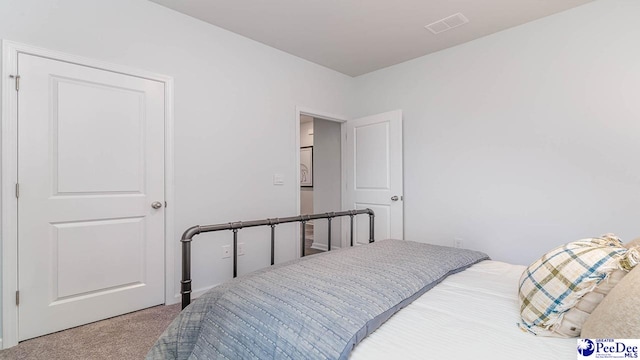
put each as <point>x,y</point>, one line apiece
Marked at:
<point>401,299</point>
<point>470,315</point>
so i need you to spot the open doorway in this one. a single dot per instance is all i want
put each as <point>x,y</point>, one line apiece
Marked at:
<point>320,179</point>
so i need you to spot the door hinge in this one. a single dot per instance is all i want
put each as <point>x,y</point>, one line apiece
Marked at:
<point>17,298</point>
<point>17,190</point>
<point>17,77</point>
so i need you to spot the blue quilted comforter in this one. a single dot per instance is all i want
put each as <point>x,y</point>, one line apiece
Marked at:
<point>317,307</point>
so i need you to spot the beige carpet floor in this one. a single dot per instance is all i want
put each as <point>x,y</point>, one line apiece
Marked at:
<point>123,337</point>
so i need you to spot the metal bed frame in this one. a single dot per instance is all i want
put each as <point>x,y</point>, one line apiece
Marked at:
<point>187,237</point>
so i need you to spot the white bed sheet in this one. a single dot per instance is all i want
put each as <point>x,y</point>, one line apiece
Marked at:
<point>470,315</point>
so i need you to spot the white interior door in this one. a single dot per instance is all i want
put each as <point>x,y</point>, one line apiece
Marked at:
<point>374,174</point>
<point>90,165</point>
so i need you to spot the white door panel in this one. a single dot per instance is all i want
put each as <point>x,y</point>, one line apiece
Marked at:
<point>371,143</point>
<point>88,251</point>
<point>374,173</point>
<point>100,167</point>
<point>90,163</point>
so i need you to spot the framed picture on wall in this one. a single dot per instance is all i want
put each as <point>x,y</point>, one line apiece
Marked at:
<point>306,166</point>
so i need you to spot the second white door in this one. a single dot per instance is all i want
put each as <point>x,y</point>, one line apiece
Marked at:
<point>90,167</point>
<point>374,173</point>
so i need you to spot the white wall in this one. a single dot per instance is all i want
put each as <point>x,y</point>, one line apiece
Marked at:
<point>327,168</point>
<point>306,139</point>
<point>235,103</point>
<point>515,142</point>
<point>525,139</point>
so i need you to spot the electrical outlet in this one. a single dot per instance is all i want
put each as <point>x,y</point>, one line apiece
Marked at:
<point>226,251</point>
<point>457,242</point>
<point>240,249</point>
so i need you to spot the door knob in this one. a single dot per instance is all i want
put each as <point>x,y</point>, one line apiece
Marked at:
<point>156,204</point>
<point>394,198</point>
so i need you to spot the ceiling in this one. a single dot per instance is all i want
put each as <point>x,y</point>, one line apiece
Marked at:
<point>355,37</point>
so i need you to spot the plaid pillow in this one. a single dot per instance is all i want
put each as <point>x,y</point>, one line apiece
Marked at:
<point>552,285</point>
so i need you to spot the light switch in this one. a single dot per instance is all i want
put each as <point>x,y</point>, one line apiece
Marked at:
<point>278,179</point>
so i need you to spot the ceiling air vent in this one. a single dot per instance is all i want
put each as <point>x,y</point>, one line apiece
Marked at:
<point>447,23</point>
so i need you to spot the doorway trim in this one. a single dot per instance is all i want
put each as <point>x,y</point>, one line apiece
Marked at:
<point>301,110</point>
<point>9,202</point>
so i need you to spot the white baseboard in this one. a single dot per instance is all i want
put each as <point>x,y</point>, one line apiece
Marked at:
<point>1,344</point>
<point>194,294</point>
<point>323,247</point>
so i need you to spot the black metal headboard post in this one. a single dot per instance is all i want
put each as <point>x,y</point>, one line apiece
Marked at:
<point>187,237</point>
